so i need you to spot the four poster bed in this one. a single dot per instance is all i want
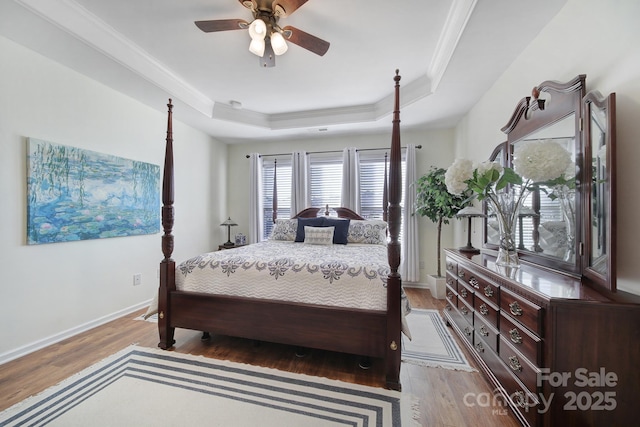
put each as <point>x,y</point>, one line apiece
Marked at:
<point>372,330</point>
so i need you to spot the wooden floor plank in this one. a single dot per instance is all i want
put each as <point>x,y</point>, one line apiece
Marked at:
<point>439,392</point>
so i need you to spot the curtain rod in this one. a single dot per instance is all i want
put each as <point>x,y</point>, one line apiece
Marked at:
<point>329,151</point>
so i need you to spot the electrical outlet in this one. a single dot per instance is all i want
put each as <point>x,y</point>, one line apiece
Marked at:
<point>137,279</point>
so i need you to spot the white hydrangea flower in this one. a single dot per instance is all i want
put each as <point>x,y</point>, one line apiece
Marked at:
<point>541,161</point>
<point>485,167</point>
<point>460,171</point>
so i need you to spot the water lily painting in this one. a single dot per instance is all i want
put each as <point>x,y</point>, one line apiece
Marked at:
<point>77,194</point>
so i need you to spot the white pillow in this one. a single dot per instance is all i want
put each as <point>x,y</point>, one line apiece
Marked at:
<point>284,229</point>
<point>370,231</point>
<point>318,235</point>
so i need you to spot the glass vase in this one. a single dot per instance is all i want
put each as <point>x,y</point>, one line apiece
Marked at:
<point>506,205</point>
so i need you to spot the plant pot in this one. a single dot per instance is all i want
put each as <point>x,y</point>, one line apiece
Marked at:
<point>437,286</point>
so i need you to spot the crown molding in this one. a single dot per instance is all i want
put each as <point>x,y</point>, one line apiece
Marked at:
<point>454,27</point>
<point>85,26</point>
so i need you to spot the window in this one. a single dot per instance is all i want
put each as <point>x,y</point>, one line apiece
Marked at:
<point>283,174</point>
<point>325,182</point>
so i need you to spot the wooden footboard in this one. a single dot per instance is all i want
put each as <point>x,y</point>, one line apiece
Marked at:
<point>362,332</point>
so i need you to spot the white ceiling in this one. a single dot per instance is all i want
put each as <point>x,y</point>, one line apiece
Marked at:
<point>449,52</point>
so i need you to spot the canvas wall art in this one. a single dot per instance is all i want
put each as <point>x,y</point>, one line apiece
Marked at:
<point>77,194</point>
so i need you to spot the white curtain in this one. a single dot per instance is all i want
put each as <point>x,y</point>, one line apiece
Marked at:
<point>299,182</point>
<point>255,201</point>
<point>410,254</point>
<point>350,179</point>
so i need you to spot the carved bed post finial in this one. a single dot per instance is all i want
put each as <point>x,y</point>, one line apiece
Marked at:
<point>167,189</point>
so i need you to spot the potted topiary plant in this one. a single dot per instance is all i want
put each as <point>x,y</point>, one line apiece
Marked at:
<point>436,203</point>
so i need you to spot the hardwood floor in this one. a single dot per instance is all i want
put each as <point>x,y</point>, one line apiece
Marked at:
<point>446,397</point>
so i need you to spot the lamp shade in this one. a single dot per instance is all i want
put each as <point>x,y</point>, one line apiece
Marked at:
<point>257,47</point>
<point>278,43</point>
<point>229,222</point>
<point>258,29</point>
<point>469,211</point>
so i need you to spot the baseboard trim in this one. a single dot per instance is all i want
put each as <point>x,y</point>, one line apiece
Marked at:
<point>53,339</point>
<point>416,285</point>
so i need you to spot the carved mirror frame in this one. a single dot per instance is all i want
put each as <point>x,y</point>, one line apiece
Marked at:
<point>552,105</point>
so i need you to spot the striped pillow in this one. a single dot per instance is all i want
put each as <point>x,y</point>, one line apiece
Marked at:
<point>318,235</point>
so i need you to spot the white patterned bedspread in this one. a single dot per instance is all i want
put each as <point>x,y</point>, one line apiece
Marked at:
<point>353,275</point>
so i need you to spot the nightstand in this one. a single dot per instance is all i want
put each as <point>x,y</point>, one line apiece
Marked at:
<point>222,247</point>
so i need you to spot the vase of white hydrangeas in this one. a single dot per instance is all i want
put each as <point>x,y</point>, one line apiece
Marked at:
<point>505,189</point>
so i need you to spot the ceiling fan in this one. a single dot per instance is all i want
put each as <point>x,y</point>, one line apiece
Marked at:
<point>267,37</point>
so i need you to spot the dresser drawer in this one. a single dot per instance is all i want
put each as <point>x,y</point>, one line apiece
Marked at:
<point>526,371</point>
<point>462,324</point>
<point>466,310</point>
<point>486,310</point>
<point>525,312</point>
<point>465,293</point>
<point>451,281</point>
<point>522,339</point>
<point>488,333</point>
<point>452,267</point>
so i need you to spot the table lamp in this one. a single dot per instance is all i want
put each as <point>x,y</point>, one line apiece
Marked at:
<point>469,212</point>
<point>229,223</point>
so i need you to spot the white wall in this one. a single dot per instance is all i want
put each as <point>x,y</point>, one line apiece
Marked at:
<point>592,37</point>
<point>437,150</point>
<point>49,291</point>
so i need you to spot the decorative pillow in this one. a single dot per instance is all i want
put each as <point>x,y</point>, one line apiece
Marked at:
<point>370,231</point>
<point>284,229</point>
<point>313,222</point>
<point>318,235</point>
<point>341,231</point>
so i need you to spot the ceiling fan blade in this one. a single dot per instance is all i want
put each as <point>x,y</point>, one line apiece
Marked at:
<point>286,7</point>
<point>222,25</point>
<point>305,40</point>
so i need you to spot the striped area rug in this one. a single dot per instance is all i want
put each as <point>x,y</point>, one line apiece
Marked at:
<point>150,387</point>
<point>431,343</point>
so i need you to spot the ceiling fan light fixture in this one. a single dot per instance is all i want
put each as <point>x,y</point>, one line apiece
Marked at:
<point>258,29</point>
<point>257,47</point>
<point>278,43</point>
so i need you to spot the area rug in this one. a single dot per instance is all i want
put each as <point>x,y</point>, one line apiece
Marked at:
<point>149,387</point>
<point>431,343</point>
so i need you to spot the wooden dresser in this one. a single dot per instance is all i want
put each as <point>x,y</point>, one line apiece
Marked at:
<point>558,352</point>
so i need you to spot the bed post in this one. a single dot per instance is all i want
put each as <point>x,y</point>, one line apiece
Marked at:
<point>394,282</point>
<point>167,265</point>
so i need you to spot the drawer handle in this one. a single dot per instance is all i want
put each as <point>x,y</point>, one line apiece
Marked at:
<point>479,348</point>
<point>464,310</point>
<point>515,308</point>
<point>468,331</point>
<point>450,295</point>
<point>483,331</point>
<point>463,293</point>
<point>474,282</point>
<point>484,310</point>
<point>450,266</point>
<point>488,291</point>
<point>450,282</point>
<point>515,336</point>
<point>519,400</point>
<point>461,274</point>
<point>514,364</point>
<point>447,307</point>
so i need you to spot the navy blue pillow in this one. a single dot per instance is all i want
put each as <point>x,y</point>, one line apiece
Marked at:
<point>313,222</point>
<point>341,229</point>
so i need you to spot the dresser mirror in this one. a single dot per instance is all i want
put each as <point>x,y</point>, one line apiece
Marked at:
<point>568,226</point>
<point>599,113</point>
